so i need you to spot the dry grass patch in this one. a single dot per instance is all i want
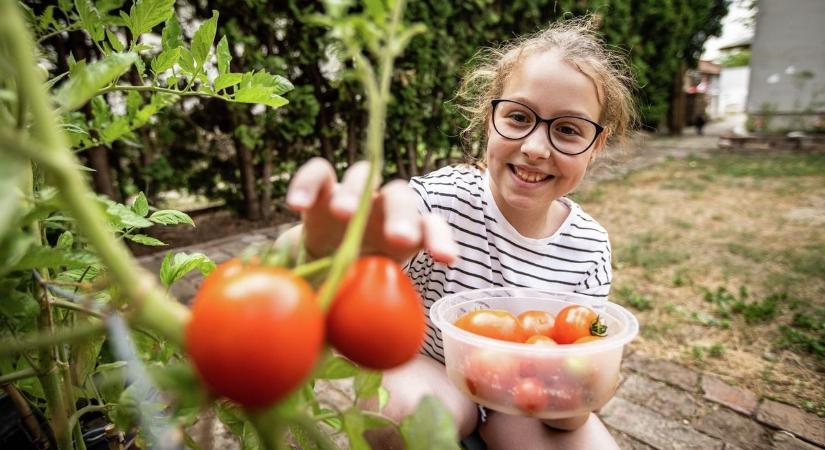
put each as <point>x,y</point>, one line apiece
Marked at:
<point>722,259</point>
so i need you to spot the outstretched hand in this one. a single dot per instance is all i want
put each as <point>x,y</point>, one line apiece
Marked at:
<point>395,227</point>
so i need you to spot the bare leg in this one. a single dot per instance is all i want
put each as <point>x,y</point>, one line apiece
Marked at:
<point>506,432</point>
<point>407,385</point>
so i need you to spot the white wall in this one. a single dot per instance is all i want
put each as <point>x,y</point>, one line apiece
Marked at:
<point>733,90</point>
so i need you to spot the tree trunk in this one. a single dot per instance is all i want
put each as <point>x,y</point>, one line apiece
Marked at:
<point>354,128</point>
<point>247,169</point>
<point>102,176</point>
<point>412,158</point>
<point>266,189</point>
<point>399,163</point>
<point>676,118</point>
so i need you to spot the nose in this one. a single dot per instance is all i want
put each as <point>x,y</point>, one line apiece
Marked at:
<point>537,144</point>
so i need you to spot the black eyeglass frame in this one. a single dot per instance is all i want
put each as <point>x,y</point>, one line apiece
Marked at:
<point>541,120</point>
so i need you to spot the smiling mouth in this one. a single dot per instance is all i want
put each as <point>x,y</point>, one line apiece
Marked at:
<point>528,176</point>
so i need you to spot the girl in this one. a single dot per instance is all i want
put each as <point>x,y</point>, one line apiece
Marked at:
<point>546,105</point>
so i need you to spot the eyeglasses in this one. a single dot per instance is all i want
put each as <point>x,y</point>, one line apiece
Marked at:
<point>570,135</point>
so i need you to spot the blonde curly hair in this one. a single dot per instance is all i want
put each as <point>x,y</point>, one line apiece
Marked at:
<point>577,43</point>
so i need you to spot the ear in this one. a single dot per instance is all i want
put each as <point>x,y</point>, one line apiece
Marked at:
<point>599,145</point>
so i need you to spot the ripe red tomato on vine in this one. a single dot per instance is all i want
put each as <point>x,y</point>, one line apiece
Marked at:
<point>376,318</point>
<point>255,332</point>
<point>575,322</point>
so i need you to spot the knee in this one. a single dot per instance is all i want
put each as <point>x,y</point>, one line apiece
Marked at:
<point>568,423</point>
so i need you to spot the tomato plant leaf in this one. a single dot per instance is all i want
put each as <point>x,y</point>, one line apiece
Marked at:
<point>279,84</point>
<point>141,205</point>
<point>186,60</point>
<point>336,367</point>
<point>203,38</point>
<point>429,427</point>
<point>43,257</point>
<point>115,130</point>
<point>156,104</point>
<point>170,36</point>
<point>122,217</point>
<point>175,267</point>
<point>223,55</point>
<point>170,217</point>
<point>114,41</point>
<point>11,172</point>
<point>90,18</point>
<point>353,421</point>
<point>366,383</point>
<point>84,82</point>
<point>65,241</point>
<point>226,80</point>
<point>145,240</point>
<point>259,94</point>
<point>165,60</point>
<point>145,14</point>
<point>18,307</point>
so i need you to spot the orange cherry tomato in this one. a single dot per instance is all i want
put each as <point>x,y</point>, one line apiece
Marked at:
<point>492,323</point>
<point>586,339</point>
<point>574,322</point>
<point>539,339</point>
<point>537,322</point>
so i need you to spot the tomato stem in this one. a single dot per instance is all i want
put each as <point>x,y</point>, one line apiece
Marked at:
<point>311,268</point>
<point>598,328</point>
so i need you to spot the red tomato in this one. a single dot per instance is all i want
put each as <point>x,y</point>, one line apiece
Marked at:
<point>537,323</point>
<point>376,318</point>
<point>492,323</point>
<point>530,395</point>
<point>489,374</point>
<point>574,322</point>
<point>255,332</point>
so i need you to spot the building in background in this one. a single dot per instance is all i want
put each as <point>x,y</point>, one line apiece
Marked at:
<point>787,67</point>
<point>702,91</point>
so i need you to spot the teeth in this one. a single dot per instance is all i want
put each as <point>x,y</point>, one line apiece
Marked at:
<point>530,177</point>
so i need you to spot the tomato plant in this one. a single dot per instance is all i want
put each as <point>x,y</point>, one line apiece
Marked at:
<point>530,395</point>
<point>255,332</point>
<point>537,323</point>
<point>375,318</point>
<point>492,323</point>
<point>574,322</point>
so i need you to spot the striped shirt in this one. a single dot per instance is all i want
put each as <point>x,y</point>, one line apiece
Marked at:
<point>491,253</point>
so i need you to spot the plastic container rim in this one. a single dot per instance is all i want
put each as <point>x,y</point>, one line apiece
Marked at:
<point>617,312</point>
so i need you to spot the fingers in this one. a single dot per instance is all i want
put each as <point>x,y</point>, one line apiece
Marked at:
<point>310,181</point>
<point>402,221</point>
<point>438,239</point>
<point>346,196</point>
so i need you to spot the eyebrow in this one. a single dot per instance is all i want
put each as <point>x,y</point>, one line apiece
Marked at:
<point>564,112</point>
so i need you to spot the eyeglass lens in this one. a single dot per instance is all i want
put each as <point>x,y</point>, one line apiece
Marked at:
<point>568,134</point>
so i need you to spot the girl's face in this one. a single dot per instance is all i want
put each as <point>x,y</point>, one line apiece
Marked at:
<point>526,175</point>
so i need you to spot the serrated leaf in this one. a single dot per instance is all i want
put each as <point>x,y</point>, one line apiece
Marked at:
<point>170,37</point>
<point>146,14</point>
<point>170,217</point>
<point>203,38</point>
<point>336,367</point>
<point>85,81</point>
<point>114,41</point>
<point>226,80</point>
<point>186,60</point>
<point>133,101</point>
<point>165,60</point>
<point>115,130</point>
<point>90,18</point>
<point>157,103</point>
<point>41,257</point>
<point>65,241</point>
<point>122,217</point>
<point>259,94</point>
<point>429,427</point>
<point>16,305</point>
<point>145,240</point>
<point>279,84</point>
<point>141,205</point>
<point>223,55</point>
<point>174,267</point>
<point>353,422</point>
<point>366,383</point>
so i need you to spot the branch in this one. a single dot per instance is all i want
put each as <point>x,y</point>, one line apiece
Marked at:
<point>28,372</point>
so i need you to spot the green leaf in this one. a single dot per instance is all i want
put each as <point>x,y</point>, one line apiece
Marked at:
<point>170,217</point>
<point>122,217</point>
<point>20,307</point>
<point>259,94</point>
<point>84,82</point>
<point>279,84</point>
<point>354,427</point>
<point>133,101</point>
<point>114,41</point>
<point>41,257</point>
<point>165,60</point>
<point>12,170</point>
<point>145,240</point>
<point>186,60</point>
<point>429,427</point>
<point>115,130</point>
<point>157,103</point>
<point>65,241</point>
<point>336,367</point>
<point>223,55</point>
<point>111,380</point>
<point>146,14</point>
<point>90,18</point>
<point>366,383</point>
<point>85,354</point>
<point>376,10</point>
<point>173,268</point>
<point>226,80</point>
<point>141,205</point>
<point>203,38</point>
<point>170,37</point>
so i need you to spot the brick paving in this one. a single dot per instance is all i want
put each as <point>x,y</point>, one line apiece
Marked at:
<point>659,404</point>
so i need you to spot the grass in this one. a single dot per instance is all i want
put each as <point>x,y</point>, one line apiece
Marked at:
<point>722,260</point>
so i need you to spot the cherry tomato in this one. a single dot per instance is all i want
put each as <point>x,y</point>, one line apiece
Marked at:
<point>537,323</point>
<point>376,318</point>
<point>586,339</point>
<point>530,395</point>
<point>255,332</point>
<point>489,374</point>
<point>539,339</point>
<point>574,322</point>
<point>492,323</point>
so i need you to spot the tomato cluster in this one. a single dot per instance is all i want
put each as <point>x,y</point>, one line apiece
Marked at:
<point>536,383</point>
<point>256,331</point>
<point>574,324</point>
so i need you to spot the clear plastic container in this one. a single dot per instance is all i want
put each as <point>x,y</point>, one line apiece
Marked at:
<point>547,382</point>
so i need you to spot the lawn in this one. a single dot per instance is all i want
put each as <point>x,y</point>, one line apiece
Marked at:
<point>722,259</point>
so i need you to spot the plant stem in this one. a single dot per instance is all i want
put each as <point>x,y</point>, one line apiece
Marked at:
<point>28,372</point>
<point>377,97</point>
<point>121,87</point>
<point>308,269</point>
<point>41,340</point>
<point>75,418</point>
